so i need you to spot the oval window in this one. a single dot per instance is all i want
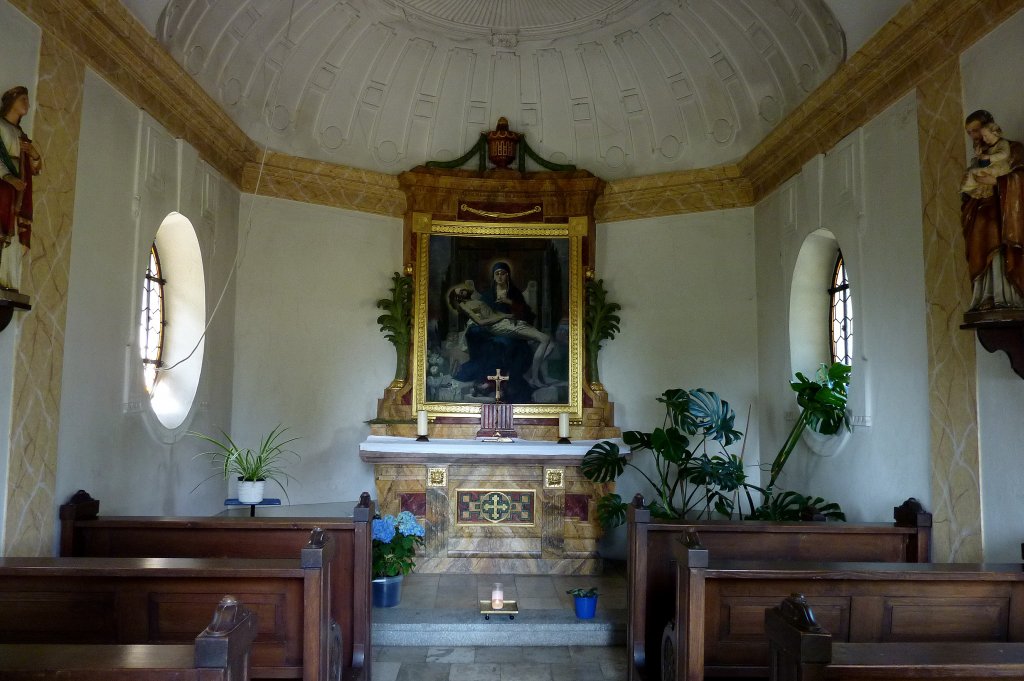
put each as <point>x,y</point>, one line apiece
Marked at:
<point>173,321</point>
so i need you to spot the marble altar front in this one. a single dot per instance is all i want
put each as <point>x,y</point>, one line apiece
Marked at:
<point>518,507</point>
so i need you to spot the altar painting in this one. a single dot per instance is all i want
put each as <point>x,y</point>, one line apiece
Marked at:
<point>492,302</point>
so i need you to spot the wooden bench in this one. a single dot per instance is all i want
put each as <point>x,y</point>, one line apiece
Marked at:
<point>220,653</point>
<point>166,600</point>
<point>802,650</point>
<point>85,533</point>
<point>720,606</point>
<point>651,574</point>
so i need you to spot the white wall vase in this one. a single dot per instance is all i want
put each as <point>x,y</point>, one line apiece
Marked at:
<point>250,491</point>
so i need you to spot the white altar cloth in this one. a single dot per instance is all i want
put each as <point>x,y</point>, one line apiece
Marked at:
<point>392,449</point>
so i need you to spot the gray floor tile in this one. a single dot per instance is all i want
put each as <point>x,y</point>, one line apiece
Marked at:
<point>500,654</point>
<point>577,672</point>
<point>474,672</point>
<point>540,603</point>
<point>385,671</point>
<point>452,655</point>
<point>598,654</point>
<point>546,654</point>
<point>421,671</point>
<point>525,672</point>
<point>614,670</point>
<point>403,654</point>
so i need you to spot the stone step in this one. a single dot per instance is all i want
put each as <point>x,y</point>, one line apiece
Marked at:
<point>461,627</point>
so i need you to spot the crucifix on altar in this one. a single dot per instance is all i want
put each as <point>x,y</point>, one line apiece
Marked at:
<point>496,419</point>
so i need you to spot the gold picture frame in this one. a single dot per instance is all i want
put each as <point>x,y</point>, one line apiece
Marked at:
<point>459,291</point>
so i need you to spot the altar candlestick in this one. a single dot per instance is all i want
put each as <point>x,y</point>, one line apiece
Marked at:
<point>497,597</point>
<point>421,426</point>
<point>563,428</point>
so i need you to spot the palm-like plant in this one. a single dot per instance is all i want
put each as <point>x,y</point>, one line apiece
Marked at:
<point>266,462</point>
<point>686,477</point>
<point>600,323</point>
<point>396,322</point>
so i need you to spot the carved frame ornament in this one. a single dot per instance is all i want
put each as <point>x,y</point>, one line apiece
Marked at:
<point>546,260</point>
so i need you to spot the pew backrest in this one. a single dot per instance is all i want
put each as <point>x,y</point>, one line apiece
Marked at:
<point>221,652</point>
<point>165,600</point>
<point>85,533</point>
<point>721,604</point>
<point>651,578</point>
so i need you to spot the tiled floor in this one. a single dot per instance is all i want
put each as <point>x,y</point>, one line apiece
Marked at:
<point>507,661</point>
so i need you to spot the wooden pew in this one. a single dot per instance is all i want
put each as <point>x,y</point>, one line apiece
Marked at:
<point>651,571</point>
<point>165,600</point>
<point>802,650</point>
<point>220,653</point>
<point>721,604</point>
<point>85,533</point>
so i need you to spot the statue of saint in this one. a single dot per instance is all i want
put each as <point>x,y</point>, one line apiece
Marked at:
<point>19,162</point>
<point>992,216</point>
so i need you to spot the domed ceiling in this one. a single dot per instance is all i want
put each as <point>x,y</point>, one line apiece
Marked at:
<point>619,87</point>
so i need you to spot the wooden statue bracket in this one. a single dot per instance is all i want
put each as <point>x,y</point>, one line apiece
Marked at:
<point>10,301</point>
<point>1000,329</point>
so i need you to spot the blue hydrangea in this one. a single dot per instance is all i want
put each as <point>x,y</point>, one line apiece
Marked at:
<point>384,529</point>
<point>408,526</point>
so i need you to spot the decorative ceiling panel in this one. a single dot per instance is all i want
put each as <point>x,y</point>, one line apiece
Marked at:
<point>619,87</point>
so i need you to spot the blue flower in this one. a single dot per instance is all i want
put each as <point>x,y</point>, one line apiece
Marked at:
<point>384,529</point>
<point>408,526</point>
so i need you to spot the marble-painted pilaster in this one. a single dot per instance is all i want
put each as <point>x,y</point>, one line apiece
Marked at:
<point>31,508</point>
<point>953,408</point>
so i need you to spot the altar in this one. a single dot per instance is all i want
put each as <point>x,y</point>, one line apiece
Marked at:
<point>520,507</point>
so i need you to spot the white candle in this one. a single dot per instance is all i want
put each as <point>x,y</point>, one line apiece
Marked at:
<point>563,424</point>
<point>421,422</point>
<point>497,597</point>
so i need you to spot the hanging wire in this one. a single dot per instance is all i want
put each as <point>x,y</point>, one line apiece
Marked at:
<point>243,236</point>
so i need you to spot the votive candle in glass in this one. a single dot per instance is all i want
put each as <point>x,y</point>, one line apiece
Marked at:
<point>497,597</point>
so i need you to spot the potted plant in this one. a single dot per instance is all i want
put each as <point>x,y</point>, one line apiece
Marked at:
<point>253,468</point>
<point>394,548</point>
<point>585,601</point>
<point>694,473</point>
<point>822,404</point>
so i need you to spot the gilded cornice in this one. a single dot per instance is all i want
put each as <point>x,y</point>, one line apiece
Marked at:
<point>921,37</point>
<point>687,191</point>
<point>113,42</point>
<point>328,184</point>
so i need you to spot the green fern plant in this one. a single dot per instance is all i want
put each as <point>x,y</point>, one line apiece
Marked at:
<point>396,322</point>
<point>600,323</point>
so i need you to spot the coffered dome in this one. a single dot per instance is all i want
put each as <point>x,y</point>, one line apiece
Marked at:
<point>619,87</point>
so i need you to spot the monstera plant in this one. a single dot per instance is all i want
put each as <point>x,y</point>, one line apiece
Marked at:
<point>693,471</point>
<point>822,402</point>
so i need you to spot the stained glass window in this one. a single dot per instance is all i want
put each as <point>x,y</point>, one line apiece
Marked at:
<point>151,325</point>
<point>840,314</point>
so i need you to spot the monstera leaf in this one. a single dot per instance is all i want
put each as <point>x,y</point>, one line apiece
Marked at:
<point>611,510</point>
<point>713,416</point>
<point>603,463</point>
<point>792,506</point>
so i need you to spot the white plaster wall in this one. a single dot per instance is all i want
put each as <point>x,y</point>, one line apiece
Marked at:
<point>110,443</point>
<point>689,303</point>
<point>308,352</point>
<point>867,192</point>
<point>19,65</point>
<point>1000,391</point>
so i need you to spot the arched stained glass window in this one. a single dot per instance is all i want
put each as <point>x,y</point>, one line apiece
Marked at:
<point>151,324</point>
<point>840,314</point>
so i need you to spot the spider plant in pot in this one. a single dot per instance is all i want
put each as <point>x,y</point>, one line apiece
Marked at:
<point>252,467</point>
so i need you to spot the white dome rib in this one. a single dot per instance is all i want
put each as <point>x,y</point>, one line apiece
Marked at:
<point>619,87</point>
